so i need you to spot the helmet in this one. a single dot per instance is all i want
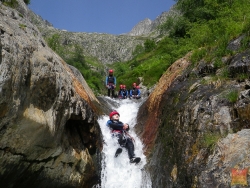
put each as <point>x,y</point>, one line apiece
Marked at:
<point>113,113</point>
<point>138,87</point>
<point>121,86</point>
<point>134,84</point>
<point>124,86</point>
<point>111,71</point>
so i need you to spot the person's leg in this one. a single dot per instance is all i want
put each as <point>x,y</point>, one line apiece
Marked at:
<point>130,147</point>
<point>109,92</point>
<point>120,141</point>
<point>113,93</point>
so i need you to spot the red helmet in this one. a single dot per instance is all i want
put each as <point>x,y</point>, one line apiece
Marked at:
<point>138,87</point>
<point>113,113</point>
<point>124,86</point>
<point>111,71</point>
<point>121,86</point>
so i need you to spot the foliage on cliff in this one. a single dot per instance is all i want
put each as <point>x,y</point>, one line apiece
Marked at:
<point>89,67</point>
<point>205,27</point>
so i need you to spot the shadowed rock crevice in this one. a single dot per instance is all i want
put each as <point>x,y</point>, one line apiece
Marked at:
<point>80,135</point>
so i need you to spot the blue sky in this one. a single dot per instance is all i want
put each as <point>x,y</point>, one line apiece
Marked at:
<point>101,16</point>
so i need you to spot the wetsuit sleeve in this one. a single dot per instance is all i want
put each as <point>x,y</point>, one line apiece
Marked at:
<point>106,81</point>
<point>139,92</point>
<point>130,93</point>
<point>115,80</point>
<point>108,122</point>
<point>116,126</point>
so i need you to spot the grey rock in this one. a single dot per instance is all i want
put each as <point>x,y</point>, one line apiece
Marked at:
<point>49,136</point>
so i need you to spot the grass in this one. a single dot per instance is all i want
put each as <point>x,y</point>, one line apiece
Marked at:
<point>210,139</point>
<point>232,96</point>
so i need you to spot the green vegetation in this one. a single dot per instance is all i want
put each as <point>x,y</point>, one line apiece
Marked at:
<point>73,55</point>
<point>10,3</point>
<point>27,2</point>
<point>22,26</point>
<point>210,139</point>
<point>232,96</point>
<point>13,3</point>
<point>205,28</point>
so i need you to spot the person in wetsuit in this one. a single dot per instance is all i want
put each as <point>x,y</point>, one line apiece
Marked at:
<point>119,131</point>
<point>111,83</point>
<point>135,92</point>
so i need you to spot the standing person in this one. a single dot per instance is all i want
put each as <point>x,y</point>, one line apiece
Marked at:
<point>119,130</point>
<point>111,83</point>
<point>135,92</point>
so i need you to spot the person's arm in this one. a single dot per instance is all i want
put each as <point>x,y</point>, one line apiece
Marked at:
<point>114,81</point>
<point>115,126</point>
<point>106,81</point>
<point>139,92</point>
<point>108,122</point>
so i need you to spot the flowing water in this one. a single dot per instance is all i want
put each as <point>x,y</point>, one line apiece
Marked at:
<point>119,172</point>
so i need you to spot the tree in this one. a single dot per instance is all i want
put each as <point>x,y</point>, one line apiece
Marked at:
<point>27,2</point>
<point>149,45</point>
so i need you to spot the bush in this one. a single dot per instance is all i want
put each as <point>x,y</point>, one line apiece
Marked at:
<point>27,2</point>
<point>149,45</point>
<point>232,96</point>
<point>10,3</point>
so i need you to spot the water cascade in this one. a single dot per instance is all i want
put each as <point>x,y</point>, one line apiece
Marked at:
<point>119,172</point>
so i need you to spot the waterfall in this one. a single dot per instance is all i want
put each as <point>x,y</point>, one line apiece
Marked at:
<point>119,172</point>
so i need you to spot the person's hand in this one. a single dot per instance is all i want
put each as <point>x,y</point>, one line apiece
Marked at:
<point>125,126</point>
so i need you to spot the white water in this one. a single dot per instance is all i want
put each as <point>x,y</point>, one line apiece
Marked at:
<point>119,172</point>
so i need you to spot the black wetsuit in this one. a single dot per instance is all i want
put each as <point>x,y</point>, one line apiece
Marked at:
<point>123,139</point>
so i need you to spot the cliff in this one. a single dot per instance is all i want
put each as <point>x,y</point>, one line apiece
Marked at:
<point>149,27</point>
<point>195,124</point>
<point>49,136</point>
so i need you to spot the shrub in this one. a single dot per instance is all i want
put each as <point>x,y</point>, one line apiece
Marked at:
<point>27,2</point>
<point>10,3</point>
<point>149,45</point>
<point>197,55</point>
<point>232,96</point>
<point>210,139</point>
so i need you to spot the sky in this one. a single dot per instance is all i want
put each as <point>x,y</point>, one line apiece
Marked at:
<point>100,16</point>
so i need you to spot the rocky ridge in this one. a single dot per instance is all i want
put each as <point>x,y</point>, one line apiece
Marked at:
<point>105,47</point>
<point>148,27</point>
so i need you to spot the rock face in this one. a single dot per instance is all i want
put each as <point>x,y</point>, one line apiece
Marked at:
<point>148,27</point>
<point>143,27</point>
<point>196,128</point>
<point>49,136</point>
<point>105,47</point>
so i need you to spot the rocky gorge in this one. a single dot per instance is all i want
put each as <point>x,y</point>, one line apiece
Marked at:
<point>195,128</point>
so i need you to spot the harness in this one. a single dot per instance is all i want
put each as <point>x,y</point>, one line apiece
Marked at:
<point>111,79</point>
<point>135,91</point>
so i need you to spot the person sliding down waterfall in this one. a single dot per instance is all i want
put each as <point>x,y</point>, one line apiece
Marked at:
<point>119,130</point>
